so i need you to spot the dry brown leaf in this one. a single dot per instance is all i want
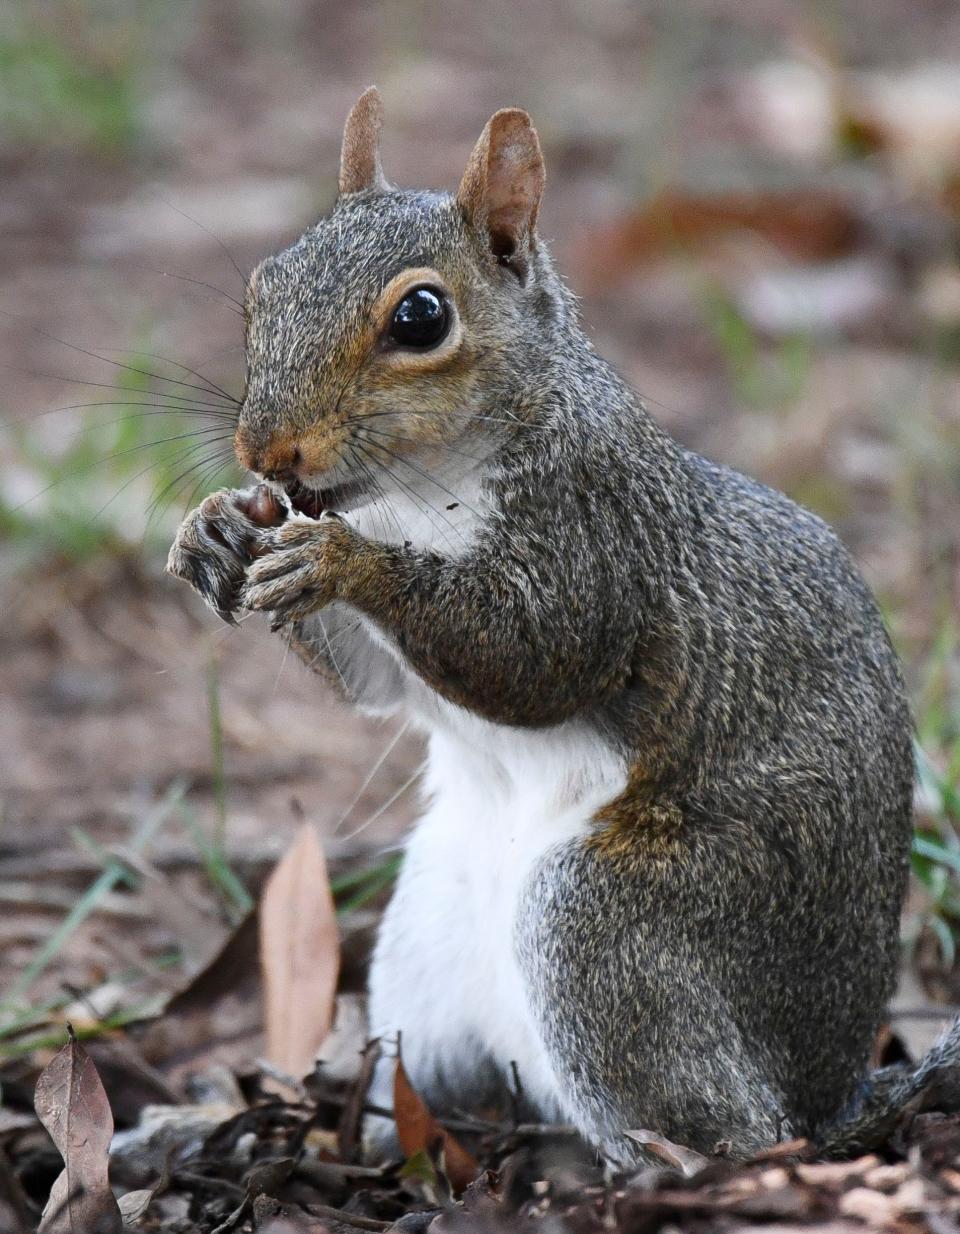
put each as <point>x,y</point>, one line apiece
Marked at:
<point>418,1131</point>
<point>216,1018</point>
<point>806,224</point>
<point>134,1204</point>
<point>71,1103</point>
<point>871,1207</point>
<point>677,1156</point>
<point>299,955</point>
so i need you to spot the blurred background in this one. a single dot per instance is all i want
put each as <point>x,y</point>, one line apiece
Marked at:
<point>758,202</point>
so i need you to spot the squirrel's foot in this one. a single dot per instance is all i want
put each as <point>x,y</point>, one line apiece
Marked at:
<point>213,548</point>
<point>301,570</point>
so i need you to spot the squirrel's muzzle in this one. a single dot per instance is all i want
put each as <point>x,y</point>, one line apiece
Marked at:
<point>275,457</point>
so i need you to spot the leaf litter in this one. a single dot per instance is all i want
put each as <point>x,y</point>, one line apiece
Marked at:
<point>214,1147</point>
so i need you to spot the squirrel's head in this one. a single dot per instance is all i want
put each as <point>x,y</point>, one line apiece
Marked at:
<point>400,324</point>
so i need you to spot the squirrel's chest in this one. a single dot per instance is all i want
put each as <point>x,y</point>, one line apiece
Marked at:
<point>500,797</point>
<point>498,800</point>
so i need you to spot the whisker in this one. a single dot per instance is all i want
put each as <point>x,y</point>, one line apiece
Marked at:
<point>283,662</point>
<point>417,498</point>
<point>331,656</point>
<point>142,472</point>
<point>186,278</point>
<point>152,355</point>
<point>213,236</point>
<point>159,409</point>
<point>83,351</point>
<point>401,437</point>
<point>107,458</point>
<point>450,412</point>
<point>395,796</point>
<point>187,399</point>
<point>201,465</point>
<point>206,476</point>
<point>371,476</point>
<point>368,778</point>
<point>427,476</point>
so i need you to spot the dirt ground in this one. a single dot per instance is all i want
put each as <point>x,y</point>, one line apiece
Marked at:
<point>820,355</point>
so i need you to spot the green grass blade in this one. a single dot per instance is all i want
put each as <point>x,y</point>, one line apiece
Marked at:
<point>88,902</point>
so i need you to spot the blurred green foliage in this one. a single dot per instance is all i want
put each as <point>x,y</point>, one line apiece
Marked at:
<point>761,374</point>
<point>68,75</point>
<point>133,460</point>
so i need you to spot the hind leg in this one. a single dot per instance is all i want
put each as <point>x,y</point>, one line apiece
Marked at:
<point>632,1014</point>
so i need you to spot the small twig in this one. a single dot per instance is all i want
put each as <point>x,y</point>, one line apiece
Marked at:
<point>323,1173</point>
<point>348,1132</point>
<point>338,1214</point>
<point>208,1182</point>
<point>233,1219</point>
<point>478,1126</point>
<point>516,1093</point>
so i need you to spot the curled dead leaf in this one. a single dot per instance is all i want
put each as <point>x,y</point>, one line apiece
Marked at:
<point>419,1132</point>
<point>677,1156</point>
<point>72,1104</point>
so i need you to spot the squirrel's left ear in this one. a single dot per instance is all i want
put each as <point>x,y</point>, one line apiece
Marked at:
<point>360,153</point>
<point>502,186</point>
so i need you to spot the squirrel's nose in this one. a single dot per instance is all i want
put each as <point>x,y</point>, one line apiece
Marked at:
<point>276,460</point>
<point>281,473</point>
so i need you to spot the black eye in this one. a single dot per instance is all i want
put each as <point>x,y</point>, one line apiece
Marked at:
<point>421,319</point>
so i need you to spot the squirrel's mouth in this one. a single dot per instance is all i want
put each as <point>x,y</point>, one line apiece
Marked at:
<point>315,501</point>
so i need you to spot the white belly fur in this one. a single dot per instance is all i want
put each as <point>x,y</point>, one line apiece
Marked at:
<point>445,972</point>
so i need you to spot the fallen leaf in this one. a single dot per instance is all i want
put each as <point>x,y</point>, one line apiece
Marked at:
<point>419,1132</point>
<point>216,1018</point>
<point>677,1156</point>
<point>299,955</point>
<point>872,1207</point>
<point>72,1104</point>
<point>806,224</point>
<point>134,1205</point>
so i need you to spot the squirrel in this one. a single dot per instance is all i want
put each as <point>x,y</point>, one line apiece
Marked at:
<point>669,783</point>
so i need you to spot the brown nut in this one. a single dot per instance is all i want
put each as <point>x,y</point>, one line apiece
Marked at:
<point>264,507</point>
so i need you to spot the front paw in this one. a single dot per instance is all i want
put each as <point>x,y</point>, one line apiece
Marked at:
<point>214,546</point>
<point>301,569</point>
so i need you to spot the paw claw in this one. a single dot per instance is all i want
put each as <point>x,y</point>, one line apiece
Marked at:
<point>212,550</point>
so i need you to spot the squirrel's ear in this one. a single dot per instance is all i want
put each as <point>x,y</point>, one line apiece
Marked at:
<point>502,186</point>
<point>360,153</point>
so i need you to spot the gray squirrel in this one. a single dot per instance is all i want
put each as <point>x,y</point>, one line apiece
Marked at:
<point>665,846</point>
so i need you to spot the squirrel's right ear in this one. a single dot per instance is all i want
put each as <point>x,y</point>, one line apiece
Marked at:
<point>360,153</point>
<point>502,186</point>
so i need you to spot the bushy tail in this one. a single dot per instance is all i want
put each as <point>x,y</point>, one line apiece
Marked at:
<point>934,1083</point>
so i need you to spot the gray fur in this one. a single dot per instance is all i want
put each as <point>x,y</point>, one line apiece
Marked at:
<point>716,963</point>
